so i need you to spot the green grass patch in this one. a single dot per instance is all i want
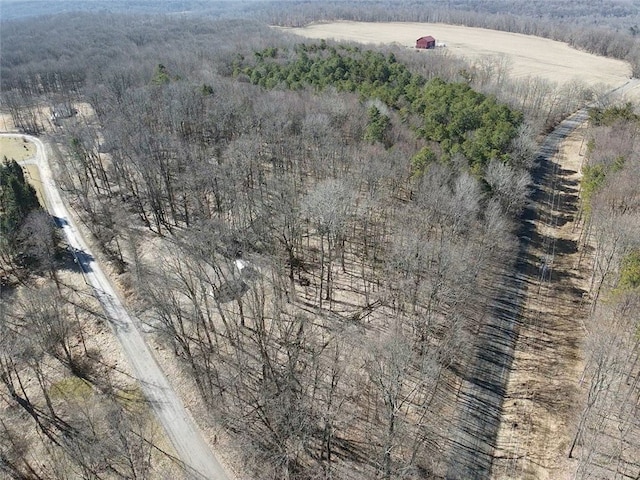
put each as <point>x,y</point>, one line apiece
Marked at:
<point>71,388</point>
<point>133,399</point>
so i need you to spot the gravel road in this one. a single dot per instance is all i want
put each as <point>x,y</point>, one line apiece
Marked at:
<point>199,460</point>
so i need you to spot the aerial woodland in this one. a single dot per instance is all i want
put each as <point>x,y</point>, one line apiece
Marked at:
<point>313,232</point>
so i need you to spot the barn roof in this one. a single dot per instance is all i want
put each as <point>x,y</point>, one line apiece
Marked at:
<point>428,38</point>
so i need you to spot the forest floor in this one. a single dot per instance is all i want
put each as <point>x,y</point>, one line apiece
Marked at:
<point>173,397</point>
<point>111,352</point>
<point>78,400</point>
<point>543,387</point>
<point>179,424</point>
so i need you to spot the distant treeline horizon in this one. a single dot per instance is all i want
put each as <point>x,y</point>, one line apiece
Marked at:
<point>608,28</point>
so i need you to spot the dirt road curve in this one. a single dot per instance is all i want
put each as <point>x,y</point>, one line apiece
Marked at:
<point>200,462</point>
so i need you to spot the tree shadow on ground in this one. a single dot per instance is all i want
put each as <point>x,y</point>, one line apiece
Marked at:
<point>75,260</point>
<point>231,290</point>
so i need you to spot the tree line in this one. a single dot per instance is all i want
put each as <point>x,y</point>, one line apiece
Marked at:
<point>604,28</point>
<point>451,116</point>
<point>605,439</point>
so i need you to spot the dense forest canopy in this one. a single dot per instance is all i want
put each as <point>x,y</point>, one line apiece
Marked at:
<point>619,14</point>
<point>453,116</point>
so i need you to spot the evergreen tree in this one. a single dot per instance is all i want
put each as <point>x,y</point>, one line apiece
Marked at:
<point>378,127</point>
<point>17,200</point>
<point>454,116</point>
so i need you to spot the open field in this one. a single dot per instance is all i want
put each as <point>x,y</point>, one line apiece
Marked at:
<point>16,148</point>
<point>527,55</point>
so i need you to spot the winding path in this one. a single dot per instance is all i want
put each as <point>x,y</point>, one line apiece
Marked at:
<point>198,459</point>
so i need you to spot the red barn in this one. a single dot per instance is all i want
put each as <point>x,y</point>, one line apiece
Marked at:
<point>426,42</point>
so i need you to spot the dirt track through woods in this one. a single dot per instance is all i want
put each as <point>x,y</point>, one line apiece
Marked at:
<point>529,328</point>
<point>542,387</point>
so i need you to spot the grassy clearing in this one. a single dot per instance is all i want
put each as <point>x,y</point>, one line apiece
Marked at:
<point>16,148</point>
<point>71,388</point>
<point>133,399</point>
<point>32,174</point>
